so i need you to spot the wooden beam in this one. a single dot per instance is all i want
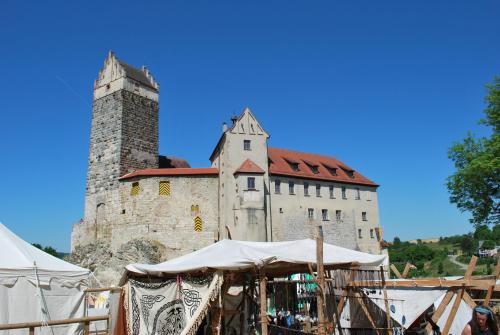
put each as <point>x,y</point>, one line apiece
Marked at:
<point>487,299</point>
<point>395,271</point>
<point>386,302</point>
<point>263,302</point>
<point>52,322</point>
<point>407,269</point>
<point>440,310</point>
<point>453,312</point>
<point>467,298</point>
<point>367,312</point>
<point>321,282</point>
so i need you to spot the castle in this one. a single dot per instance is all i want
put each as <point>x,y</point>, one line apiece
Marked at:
<point>250,191</point>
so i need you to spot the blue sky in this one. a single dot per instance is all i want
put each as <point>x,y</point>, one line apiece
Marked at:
<point>385,86</point>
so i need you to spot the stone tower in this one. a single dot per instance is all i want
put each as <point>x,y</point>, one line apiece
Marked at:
<point>124,138</point>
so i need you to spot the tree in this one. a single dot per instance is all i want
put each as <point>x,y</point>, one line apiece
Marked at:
<point>397,241</point>
<point>488,245</point>
<point>475,186</point>
<point>48,249</point>
<point>468,244</point>
<point>482,232</point>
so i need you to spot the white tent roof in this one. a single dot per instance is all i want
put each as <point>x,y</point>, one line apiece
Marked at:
<point>18,259</point>
<point>241,255</point>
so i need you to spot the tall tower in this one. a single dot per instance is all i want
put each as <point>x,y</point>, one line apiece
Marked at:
<point>123,138</point>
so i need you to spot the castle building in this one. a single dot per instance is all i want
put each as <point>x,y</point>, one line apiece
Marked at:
<point>250,191</point>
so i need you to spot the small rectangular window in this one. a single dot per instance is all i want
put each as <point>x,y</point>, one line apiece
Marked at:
<point>251,183</point>
<point>371,233</point>
<point>363,216</point>
<point>252,216</point>
<point>338,214</point>
<point>291,187</point>
<point>135,188</point>
<point>310,213</point>
<point>164,188</point>
<point>358,195</point>
<point>306,189</point>
<point>359,233</point>
<point>277,186</point>
<point>318,190</point>
<point>332,195</point>
<point>344,193</point>
<point>324,214</point>
<point>246,145</point>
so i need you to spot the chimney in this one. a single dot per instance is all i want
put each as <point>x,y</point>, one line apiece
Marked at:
<point>234,119</point>
<point>224,127</point>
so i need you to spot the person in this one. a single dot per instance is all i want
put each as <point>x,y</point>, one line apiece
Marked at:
<point>483,322</point>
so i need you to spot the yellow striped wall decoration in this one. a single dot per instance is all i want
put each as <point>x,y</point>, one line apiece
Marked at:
<point>164,188</point>
<point>198,224</point>
<point>135,188</point>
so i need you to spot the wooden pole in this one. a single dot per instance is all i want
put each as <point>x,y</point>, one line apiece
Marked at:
<point>407,269</point>
<point>386,303</point>
<point>395,270</point>
<point>453,312</point>
<point>367,312</point>
<point>263,302</point>
<point>321,282</point>
<point>440,310</point>
<point>492,287</point>
<point>460,294</point>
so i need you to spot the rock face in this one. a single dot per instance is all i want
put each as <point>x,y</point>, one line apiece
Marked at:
<point>108,266</point>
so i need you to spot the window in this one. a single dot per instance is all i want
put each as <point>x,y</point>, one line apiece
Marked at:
<point>344,195</point>
<point>252,216</point>
<point>306,189</point>
<point>294,165</point>
<point>246,145</point>
<point>348,172</point>
<point>314,169</point>
<point>359,233</point>
<point>371,233</point>
<point>324,214</point>
<point>251,183</point>
<point>135,188</point>
<point>318,190</point>
<point>310,213</point>
<point>338,214</point>
<point>368,195</point>
<point>332,196</point>
<point>332,170</point>
<point>277,186</point>
<point>363,216</point>
<point>164,188</point>
<point>291,187</point>
<point>358,195</point>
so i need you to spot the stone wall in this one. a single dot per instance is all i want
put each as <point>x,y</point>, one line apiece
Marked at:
<point>168,219</point>
<point>290,216</point>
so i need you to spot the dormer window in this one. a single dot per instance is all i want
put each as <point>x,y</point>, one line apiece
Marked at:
<point>331,169</point>
<point>313,166</point>
<point>294,165</point>
<point>348,172</point>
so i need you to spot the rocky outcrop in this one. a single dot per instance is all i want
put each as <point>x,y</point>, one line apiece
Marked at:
<point>108,265</point>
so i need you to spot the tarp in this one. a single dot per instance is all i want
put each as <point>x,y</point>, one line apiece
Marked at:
<point>242,255</point>
<point>35,286</point>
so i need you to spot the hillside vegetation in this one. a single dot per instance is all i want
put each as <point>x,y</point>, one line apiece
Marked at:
<point>435,259</point>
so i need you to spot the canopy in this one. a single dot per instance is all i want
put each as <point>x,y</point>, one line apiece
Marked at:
<point>244,255</point>
<point>35,286</point>
<point>18,258</point>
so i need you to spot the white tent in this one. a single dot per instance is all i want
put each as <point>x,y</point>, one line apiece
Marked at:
<point>242,255</point>
<point>35,286</point>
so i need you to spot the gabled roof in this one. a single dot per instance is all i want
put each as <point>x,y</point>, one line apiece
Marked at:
<point>249,167</point>
<point>138,75</point>
<point>171,172</point>
<point>279,165</point>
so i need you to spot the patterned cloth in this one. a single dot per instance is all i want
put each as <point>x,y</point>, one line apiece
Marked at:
<point>172,307</point>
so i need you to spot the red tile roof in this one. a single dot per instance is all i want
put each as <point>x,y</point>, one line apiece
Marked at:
<point>249,167</point>
<point>279,165</point>
<point>171,172</point>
